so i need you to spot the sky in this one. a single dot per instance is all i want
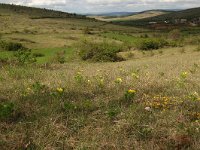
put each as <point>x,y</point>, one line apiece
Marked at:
<point>101,6</point>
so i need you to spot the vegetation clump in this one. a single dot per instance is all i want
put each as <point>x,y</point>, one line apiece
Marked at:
<point>11,46</point>
<point>100,52</point>
<point>6,110</point>
<point>24,56</point>
<point>151,44</point>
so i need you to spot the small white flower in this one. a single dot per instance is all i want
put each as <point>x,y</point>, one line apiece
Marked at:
<point>148,108</point>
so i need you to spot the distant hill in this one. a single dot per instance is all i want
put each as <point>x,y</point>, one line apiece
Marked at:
<point>36,13</point>
<point>112,14</point>
<point>188,14</point>
<point>130,16</point>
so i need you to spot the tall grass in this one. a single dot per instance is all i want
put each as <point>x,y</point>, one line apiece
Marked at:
<point>91,106</point>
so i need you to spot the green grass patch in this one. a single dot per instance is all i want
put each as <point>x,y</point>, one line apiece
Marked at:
<point>122,37</point>
<point>49,53</point>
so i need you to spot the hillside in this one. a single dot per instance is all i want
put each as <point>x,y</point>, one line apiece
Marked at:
<point>188,14</point>
<point>111,14</point>
<point>49,31</point>
<point>131,16</point>
<point>36,13</point>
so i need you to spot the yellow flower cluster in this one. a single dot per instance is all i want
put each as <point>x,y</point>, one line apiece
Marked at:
<point>118,80</point>
<point>162,102</point>
<point>194,96</point>
<point>184,74</point>
<point>60,90</point>
<point>194,115</point>
<point>134,75</point>
<point>131,91</point>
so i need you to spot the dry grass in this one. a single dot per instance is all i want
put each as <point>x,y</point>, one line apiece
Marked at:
<point>92,113</point>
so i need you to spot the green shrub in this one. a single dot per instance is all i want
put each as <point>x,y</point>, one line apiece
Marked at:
<point>6,110</point>
<point>113,112</point>
<point>150,44</point>
<point>11,46</point>
<point>24,56</point>
<point>100,52</point>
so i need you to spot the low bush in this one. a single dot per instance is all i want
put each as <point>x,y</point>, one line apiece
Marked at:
<point>150,44</point>
<point>24,56</point>
<point>11,46</point>
<point>100,52</point>
<point>6,110</point>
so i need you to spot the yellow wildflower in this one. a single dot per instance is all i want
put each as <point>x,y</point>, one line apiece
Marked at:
<point>60,90</point>
<point>134,75</point>
<point>184,74</point>
<point>131,91</point>
<point>118,80</point>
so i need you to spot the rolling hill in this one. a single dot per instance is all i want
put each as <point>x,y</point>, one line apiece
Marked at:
<point>36,13</point>
<point>130,16</point>
<point>111,14</point>
<point>188,14</point>
<point>48,31</point>
<point>136,16</point>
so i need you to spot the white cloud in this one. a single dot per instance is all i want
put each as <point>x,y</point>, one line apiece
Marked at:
<point>46,2</point>
<point>107,5</point>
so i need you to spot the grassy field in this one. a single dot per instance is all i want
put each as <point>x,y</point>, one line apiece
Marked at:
<point>150,100</point>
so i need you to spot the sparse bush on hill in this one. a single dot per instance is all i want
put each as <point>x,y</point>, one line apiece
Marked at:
<point>11,46</point>
<point>100,52</point>
<point>150,44</point>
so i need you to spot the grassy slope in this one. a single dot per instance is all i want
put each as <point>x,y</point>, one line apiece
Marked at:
<point>142,15</point>
<point>95,114</point>
<point>36,13</point>
<point>188,14</point>
<point>92,111</point>
<point>48,34</point>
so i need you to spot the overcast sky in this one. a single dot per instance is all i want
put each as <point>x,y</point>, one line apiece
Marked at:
<point>92,6</point>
